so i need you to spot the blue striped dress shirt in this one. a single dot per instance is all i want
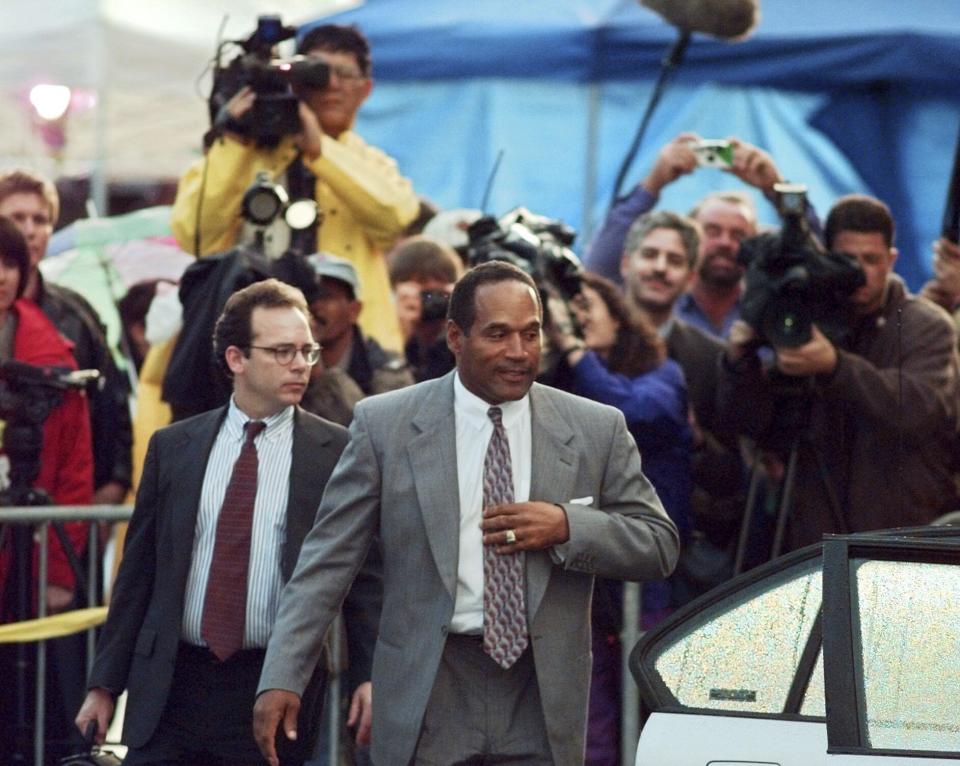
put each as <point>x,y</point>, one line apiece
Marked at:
<point>275,456</point>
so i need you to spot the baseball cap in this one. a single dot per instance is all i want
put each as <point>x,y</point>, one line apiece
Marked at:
<point>328,266</point>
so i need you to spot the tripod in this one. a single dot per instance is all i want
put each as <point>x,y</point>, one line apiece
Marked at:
<point>28,395</point>
<point>797,403</point>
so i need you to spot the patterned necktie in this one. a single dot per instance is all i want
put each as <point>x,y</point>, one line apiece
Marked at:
<point>225,604</point>
<point>504,604</point>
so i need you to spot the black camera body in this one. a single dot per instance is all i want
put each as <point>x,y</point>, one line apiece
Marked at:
<point>538,245</point>
<point>28,394</point>
<point>791,283</point>
<point>433,305</point>
<point>275,111</point>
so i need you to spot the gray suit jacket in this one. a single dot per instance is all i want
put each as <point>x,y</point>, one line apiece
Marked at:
<point>138,645</point>
<point>398,478</point>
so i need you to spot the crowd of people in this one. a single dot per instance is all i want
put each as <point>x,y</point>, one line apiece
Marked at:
<point>474,525</point>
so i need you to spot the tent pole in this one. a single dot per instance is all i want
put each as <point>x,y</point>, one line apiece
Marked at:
<point>587,223</point>
<point>98,182</point>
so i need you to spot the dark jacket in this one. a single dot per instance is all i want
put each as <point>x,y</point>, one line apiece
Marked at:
<point>375,369</point>
<point>139,642</point>
<point>884,423</point>
<point>79,322</point>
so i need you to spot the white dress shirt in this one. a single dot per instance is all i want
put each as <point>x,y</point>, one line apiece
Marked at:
<point>474,429</point>
<point>274,457</point>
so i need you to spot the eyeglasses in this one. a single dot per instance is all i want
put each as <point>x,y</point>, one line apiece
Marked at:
<point>286,353</point>
<point>346,73</point>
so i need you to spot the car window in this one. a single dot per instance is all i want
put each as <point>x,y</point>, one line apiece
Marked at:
<point>741,654</point>
<point>814,698</point>
<point>907,653</point>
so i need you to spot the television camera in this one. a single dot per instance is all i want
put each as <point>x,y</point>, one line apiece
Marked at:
<point>275,111</point>
<point>792,283</point>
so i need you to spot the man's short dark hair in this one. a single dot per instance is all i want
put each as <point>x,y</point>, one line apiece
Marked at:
<point>339,38</point>
<point>687,228</point>
<point>421,258</point>
<point>233,326</point>
<point>27,182</point>
<point>862,213</point>
<point>462,310</point>
<point>13,250</point>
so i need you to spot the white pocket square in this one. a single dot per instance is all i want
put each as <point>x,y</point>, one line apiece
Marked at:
<point>582,500</point>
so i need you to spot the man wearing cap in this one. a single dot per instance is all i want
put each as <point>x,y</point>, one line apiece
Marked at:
<point>335,305</point>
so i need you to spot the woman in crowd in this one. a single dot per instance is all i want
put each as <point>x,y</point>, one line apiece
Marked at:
<point>66,462</point>
<point>621,361</point>
<point>65,475</point>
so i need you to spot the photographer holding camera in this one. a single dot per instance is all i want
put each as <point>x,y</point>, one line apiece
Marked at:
<point>713,301</point>
<point>365,203</point>
<point>871,418</point>
<point>423,272</point>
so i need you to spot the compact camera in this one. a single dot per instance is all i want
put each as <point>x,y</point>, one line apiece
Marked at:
<point>713,153</point>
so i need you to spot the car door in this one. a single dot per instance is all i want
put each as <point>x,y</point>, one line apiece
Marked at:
<point>891,645</point>
<point>737,677</point>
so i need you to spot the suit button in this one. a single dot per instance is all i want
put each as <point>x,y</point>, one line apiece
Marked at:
<point>443,630</point>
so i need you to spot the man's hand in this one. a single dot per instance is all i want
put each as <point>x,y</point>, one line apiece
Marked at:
<point>97,708</point>
<point>536,525</point>
<point>308,140</point>
<point>675,159</point>
<point>58,598</point>
<point>754,166</point>
<point>111,493</point>
<point>816,357</point>
<point>271,708</point>
<point>740,341</point>
<point>946,265</point>
<point>361,713</point>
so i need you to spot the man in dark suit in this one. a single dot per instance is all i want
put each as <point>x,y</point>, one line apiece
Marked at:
<point>497,501</point>
<point>225,501</point>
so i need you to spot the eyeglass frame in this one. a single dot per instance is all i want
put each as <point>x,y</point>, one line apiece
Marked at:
<point>313,349</point>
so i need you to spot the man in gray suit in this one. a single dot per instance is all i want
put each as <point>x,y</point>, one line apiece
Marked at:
<point>471,665</point>
<point>206,558</point>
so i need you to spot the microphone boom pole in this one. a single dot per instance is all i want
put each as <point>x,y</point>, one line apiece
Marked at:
<point>670,62</point>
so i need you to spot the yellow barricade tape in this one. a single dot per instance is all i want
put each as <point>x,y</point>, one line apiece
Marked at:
<point>52,627</point>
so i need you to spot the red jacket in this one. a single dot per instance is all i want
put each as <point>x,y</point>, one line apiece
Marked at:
<point>66,460</point>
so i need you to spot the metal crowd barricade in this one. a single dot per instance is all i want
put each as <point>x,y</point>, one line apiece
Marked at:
<point>41,517</point>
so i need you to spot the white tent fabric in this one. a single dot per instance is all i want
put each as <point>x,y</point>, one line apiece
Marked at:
<point>142,60</point>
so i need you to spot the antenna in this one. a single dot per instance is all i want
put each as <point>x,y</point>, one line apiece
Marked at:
<point>493,175</point>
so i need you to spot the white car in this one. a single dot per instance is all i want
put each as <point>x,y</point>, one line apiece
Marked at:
<point>846,653</point>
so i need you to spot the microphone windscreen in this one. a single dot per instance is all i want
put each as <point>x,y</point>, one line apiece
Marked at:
<point>726,19</point>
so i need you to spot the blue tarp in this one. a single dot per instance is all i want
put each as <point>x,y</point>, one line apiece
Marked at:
<point>848,95</point>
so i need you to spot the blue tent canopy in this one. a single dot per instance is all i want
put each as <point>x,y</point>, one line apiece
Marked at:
<point>848,96</point>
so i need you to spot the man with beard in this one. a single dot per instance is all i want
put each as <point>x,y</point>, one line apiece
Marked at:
<point>713,301</point>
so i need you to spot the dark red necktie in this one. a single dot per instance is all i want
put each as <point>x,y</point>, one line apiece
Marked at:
<point>225,604</point>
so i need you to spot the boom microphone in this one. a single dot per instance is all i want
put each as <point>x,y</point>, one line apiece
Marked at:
<point>727,19</point>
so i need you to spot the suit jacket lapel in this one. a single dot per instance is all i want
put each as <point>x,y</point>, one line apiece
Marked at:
<point>185,478</point>
<point>554,464</point>
<point>430,452</point>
